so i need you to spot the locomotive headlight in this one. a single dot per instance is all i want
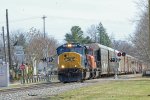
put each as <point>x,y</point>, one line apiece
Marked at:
<point>69,45</point>
<point>62,66</point>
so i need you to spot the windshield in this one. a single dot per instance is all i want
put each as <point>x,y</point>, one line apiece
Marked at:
<point>65,49</point>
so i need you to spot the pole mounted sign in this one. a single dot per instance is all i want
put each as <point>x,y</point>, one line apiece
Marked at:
<point>19,54</point>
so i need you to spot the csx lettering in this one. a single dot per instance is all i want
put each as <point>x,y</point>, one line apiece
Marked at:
<point>67,59</point>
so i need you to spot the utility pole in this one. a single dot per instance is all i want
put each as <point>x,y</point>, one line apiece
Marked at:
<point>7,25</point>
<point>4,43</point>
<point>44,25</point>
<point>100,37</point>
<point>46,49</point>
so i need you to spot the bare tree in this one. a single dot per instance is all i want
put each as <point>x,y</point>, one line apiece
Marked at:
<point>123,46</point>
<point>140,37</point>
<point>40,46</point>
<point>92,31</point>
<point>34,44</point>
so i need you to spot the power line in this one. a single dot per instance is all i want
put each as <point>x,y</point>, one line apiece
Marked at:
<point>20,20</point>
<point>31,18</point>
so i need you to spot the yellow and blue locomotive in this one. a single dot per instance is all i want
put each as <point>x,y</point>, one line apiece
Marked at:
<point>73,60</point>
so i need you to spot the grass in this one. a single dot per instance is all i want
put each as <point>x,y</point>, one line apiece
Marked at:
<point>113,90</point>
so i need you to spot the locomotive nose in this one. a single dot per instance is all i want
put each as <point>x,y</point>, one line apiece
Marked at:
<point>70,60</point>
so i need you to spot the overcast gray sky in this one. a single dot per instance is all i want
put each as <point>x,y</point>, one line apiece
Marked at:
<point>115,15</point>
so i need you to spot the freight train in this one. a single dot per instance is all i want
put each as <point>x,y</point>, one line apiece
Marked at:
<point>77,62</point>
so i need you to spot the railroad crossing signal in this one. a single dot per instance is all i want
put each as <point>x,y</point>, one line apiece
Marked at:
<point>121,54</point>
<point>115,59</point>
<point>44,59</point>
<point>48,59</point>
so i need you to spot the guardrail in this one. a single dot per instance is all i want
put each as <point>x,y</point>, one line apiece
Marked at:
<point>39,79</point>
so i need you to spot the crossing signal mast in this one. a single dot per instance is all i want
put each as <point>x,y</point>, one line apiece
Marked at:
<point>117,60</point>
<point>122,54</point>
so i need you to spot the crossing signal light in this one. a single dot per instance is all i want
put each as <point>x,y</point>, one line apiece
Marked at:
<point>119,54</point>
<point>48,59</point>
<point>123,54</point>
<point>44,59</point>
<point>115,59</point>
<point>112,60</point>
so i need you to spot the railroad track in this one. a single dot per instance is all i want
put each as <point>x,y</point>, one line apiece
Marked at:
<point>29,87</point>
<point>35,91</point>
<point>35,87</point>
<point>54,84</point>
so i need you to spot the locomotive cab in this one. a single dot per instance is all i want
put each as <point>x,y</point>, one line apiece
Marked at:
<point>71,62</point>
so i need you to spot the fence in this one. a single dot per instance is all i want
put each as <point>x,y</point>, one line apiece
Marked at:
<point>39,79</point>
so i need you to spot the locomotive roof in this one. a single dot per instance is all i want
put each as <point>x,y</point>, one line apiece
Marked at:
<point>96,46</point>
<point>64,45</point>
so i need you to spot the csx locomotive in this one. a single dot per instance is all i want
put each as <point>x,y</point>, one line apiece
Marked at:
<point>78,62</point>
